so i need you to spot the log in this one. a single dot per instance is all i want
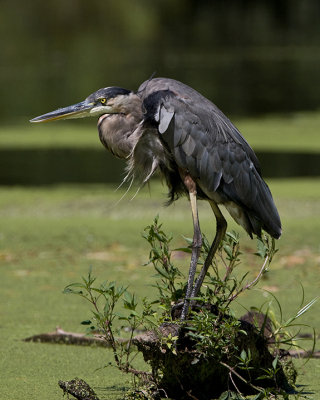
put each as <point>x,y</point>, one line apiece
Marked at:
<point>62,337</point>
<point>59,336</point>
<point>187,374</point>
<point>79,389</point>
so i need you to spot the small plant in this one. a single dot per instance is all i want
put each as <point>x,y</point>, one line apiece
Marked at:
<point>214,335</point>
<point>283,333</point>
<point>214,341</point>
<point>104,299</point>
<point>169,290</point>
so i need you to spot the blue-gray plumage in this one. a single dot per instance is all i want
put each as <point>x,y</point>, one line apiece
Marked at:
<point>204,142</point>
<point>167,125</point>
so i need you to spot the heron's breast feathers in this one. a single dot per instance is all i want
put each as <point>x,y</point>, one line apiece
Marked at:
<point>147,155</point>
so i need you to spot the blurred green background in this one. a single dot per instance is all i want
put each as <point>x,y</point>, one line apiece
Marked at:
<point>258,60</point>
<point>249,56</point>
<point>252,58</point>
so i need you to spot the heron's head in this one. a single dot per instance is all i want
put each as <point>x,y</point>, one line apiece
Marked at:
<point>110,100</point>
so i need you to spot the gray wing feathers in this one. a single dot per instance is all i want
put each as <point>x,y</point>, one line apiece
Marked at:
<point>204,142</point>
<point>208,152</point>
<point>164,118</point>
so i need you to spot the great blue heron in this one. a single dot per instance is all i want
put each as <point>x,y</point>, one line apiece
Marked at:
<point>168,125</point>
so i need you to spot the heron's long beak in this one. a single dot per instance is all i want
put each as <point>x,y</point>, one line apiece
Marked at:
<point>78,110</point>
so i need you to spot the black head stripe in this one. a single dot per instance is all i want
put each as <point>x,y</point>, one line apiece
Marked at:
<point>108,93</point>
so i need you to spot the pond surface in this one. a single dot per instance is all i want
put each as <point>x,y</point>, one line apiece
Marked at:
<point>43,167</point>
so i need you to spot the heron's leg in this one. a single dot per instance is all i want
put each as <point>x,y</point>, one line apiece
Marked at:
<point>196,244</point>
<point>221,230</point>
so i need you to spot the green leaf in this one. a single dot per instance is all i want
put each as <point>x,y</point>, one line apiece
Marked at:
<point>228,250</point>
<point>234,236</point>
<point>159,237</point>
<point>261,249</point>
<point>106,308</point>
<point>196,299</point>
<point>259,396</point>
<point>188,240</point>
<point>224,396</point>
<point>86,322</point>
<point>121,290</point>
<point>243,355</point>
<point>127,297</point>
<point>120,316</point>
<point>262,377</point>
<point>76,284</point>
<point>123,318</point>
<point>306,307</point>
<point>134,313</point>
<point>162,272</point>
<point>100,291</point>
<point>274,363</point>
<point>184,249</point>
<point>68,290</point>
<point>97,315</point>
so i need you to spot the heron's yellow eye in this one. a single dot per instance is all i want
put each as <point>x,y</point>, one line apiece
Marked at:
<point>103,100</point>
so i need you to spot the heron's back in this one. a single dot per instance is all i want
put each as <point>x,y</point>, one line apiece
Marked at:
<point>204,142</point>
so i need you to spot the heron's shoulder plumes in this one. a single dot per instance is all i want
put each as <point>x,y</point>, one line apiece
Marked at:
<point>152,105</point>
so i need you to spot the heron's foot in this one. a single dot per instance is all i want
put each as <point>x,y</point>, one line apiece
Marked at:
<point>193,305</point>
<point>176,309</point>
<point>180,310</point>
<point>185,309</point>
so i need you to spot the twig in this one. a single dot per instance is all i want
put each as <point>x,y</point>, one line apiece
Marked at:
<point>241,377</point>
<point>234,384</point>
<point>136,372</point>
<point>192,396</point>
<point>250,284</point>
<point>107,329</point>
<point>187,392</point>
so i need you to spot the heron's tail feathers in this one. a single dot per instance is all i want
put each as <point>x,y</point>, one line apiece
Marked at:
<point>259,213</point>
<point>263,214</point>
<point>265,211</point>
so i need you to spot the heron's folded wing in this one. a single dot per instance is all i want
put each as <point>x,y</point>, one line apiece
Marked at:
<point>204,142</point>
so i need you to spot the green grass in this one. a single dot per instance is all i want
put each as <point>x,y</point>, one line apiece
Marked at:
<point>293,132</point>
<point>51,135</point>
<point>50,236</point>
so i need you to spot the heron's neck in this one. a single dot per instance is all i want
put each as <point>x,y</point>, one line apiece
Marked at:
<point>116,130</point>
